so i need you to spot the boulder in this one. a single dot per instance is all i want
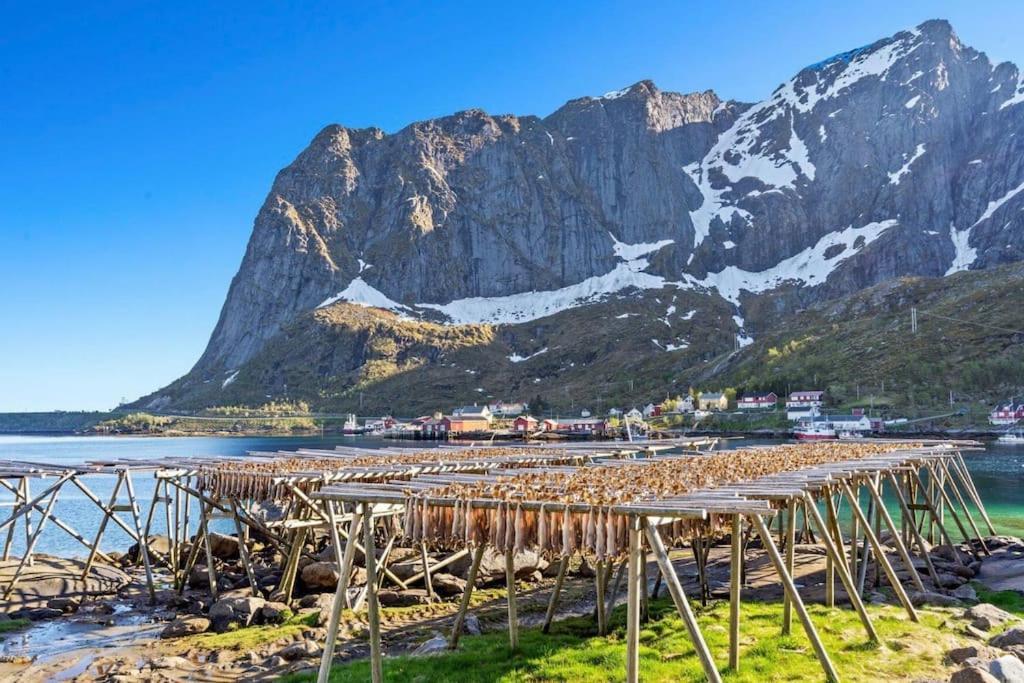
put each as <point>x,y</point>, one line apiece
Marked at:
<point>299,650</point>
<point>438,644</point>
<point>65,605</point>
<point>973,674</point>
<point>40,613</point>
<point>448,585</point>
<point>185,626</point>
<point>171,662</point>
<point>241,610</point>
<point>923,598</point>
<point>223,547</point>
<point>199,577</point>
<point>471,625</point>
<point>946,552</point>
<point>492,566</point>
<point>1007,669</point>
<point>966,592</point>
<point>320,575</point>
<point>406,598</point>
<point>987,616</point>
<point>158,544</point>
<point>275,613</point>
<point>961,654</point>
<point>1013,636</point>
<point>1015,650</point>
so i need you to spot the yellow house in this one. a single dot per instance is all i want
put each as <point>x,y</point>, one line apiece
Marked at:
<point>713,400</point>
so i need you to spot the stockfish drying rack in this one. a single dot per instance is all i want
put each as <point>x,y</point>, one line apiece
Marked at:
<point>619,511</point>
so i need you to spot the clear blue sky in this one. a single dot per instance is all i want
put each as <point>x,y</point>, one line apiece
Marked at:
<point>138,139</point>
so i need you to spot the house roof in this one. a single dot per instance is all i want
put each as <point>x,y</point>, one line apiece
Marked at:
<point>815,393</point>
<point>753,397</point>
<point>470,411</point>
<point>711,396</point>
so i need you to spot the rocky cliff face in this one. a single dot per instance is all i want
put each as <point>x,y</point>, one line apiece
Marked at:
<point>903,157</point>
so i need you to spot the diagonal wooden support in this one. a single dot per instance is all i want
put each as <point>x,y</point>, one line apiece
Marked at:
<point>243,551</point>
<point>563,565</point>
<point>934,517</point>
<point>143,539</point>
<point>883,513</point>
<point>31,544</point>
<point>460,616</point>
<point>840,568</point>
<point>965,476</point>
<point>914,531</point>
<point>945,502</point>
<point>107,515</point>
<point>963,505</point>
<point>880,557</point>
<point>798,605</point>
<point>679,598</point>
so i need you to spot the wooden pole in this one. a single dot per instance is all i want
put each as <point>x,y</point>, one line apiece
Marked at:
<point>18,502</point>
<point>880,557</point>
<point>965,476</point>
<point>107,514</point>
<point>915,533</point>
<point>460,616</point>
<point>967,511</point>
<point>883,514</point>
<point>427,582</point>
<point>345,571</point>
<point>510,586</point>
<point>944,499</point>
<point>798,605</point>
<point>679,598</point>
<point>372,605</point>
<point>133,503</point>
<point>787,607</point>
<point>735,573</point>
<point>613,594</point>
<point>204,528</point>
<point>340,597</point>
<point>599,584</point>
<point>833,551</point>
<point>633,603</point>
<point>243,550</point>
<point>563,565</point>
<point>31,544</point>
<point>936,519</point>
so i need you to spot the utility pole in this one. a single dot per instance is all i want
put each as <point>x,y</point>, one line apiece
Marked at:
<point>913,320</point>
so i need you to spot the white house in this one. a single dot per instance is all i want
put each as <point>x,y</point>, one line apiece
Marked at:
<point>806,399</point>
<point>758,401</point>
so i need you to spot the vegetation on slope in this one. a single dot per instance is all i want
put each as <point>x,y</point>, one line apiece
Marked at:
<point>573,652</point>
<point>632,349</point>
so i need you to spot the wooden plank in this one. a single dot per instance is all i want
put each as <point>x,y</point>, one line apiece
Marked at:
<point>372,606</point>
<point>460,616</point>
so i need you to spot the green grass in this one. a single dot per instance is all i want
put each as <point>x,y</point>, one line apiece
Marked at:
<point>250,637</point>
<point>572,651</point>
<point>13,625</point>
<point>1011,601</point>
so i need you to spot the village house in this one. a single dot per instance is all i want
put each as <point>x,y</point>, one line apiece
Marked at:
<point>474,412</point>
<point>462,424</point>
<point>581,425</point>
<point>650,410</point>
<point>1007,415</point>
<point>525,424</point>
<point>436,427</point>
<point>634,415</point>
<point>806,399</point>
<point>713,400</point>
<point>500,408</point>
<point>758,401</point>
<point>684,404</point>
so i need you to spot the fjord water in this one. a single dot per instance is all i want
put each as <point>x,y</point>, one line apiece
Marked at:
<point>998,472</point>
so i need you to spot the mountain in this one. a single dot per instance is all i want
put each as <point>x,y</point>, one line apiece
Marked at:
<point>640,228</point>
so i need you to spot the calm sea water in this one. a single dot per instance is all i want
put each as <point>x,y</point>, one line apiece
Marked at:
<point>998,473</point>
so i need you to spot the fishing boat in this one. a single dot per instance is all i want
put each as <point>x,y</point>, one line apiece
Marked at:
<point>351,426</point>
<point>815,431</point>
<point>1013,437</point>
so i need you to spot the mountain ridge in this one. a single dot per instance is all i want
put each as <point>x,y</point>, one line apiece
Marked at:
<point>893,159</point>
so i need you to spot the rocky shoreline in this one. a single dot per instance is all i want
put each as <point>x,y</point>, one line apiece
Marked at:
<point>247,636</point>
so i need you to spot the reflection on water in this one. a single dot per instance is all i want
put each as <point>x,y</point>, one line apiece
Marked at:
<point>998,472</point>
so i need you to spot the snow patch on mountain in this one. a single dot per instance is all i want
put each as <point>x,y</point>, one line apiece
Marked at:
<point>516,358</point>
<point>630,252</point>
<point>361,293</point>
<point>525,306</point>
<point>895,178</point>
<point>1018,95</point>
<point>812,266</point>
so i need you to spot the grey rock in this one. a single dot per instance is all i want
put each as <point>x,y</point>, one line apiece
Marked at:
<point>922,598</point>
<point>966,592</point>
<point>171,662</point>
<point>961,654</point>
<point>973,674</point>
<point>41,613</point>
<point>321,575</point>
<point>65,605</point>
<point>471,625</point>
<point>275,612</point>
<point>223,547</point>
<point>299,650</point>
<point>987,616</point>
<point>1007,669</point>
<point>438,644</point>
<point>1013,636</point>
<point>185,626</point>
<point>448,585</point>
<point>403,598</point>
